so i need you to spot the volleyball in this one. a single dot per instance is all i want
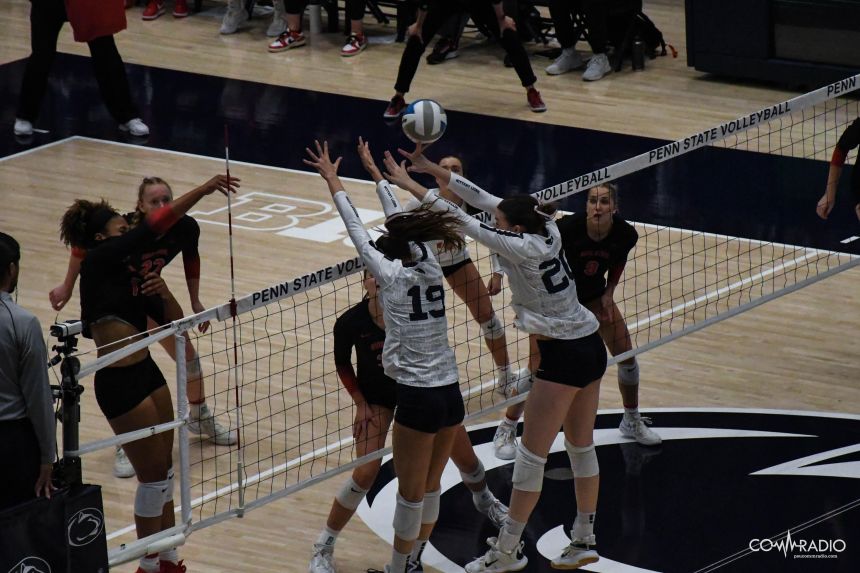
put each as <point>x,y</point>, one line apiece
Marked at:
<point>424,121</point>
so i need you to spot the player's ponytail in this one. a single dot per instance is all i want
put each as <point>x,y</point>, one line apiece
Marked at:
<point>83,220</point>
<point>525,211</point>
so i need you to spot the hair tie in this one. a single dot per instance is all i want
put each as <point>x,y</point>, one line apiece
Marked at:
<point>544,216</point>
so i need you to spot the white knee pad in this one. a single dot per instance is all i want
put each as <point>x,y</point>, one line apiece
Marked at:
<point>493,328</point>
<point>350,495</point>
<point>628,374</point>
<point>528,470</point>
<point>193,368</point>
<point>583,461</point>
<point>407,518</point>
<point>430,513</point>
<point>171,485</point>
<point>476,476</point>
<point>150,498</point>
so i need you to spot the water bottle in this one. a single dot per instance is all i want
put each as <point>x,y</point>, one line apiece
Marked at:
<point>638,55</point>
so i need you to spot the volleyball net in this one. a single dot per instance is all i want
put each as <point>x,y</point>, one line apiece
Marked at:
<point>267,361</point>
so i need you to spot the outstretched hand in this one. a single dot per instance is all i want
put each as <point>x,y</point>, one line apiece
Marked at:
<point>396,173</point>
<point>367,160</point>
<point>321,160</point>
<point>220,183</point>
<point>419,163</point>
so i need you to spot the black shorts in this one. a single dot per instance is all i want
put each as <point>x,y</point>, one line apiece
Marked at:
<point>379,392</point>
<point>576,362</point>
<point>119,390</point>
<point>451,269</point>
<point>429,409</point>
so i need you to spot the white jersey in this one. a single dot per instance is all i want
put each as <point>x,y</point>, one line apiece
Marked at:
<point>543,293</point>
<point>416,350</point>
<point>446,257</point>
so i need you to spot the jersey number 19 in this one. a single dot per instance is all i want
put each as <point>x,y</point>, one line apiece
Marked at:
<point>433,293</point>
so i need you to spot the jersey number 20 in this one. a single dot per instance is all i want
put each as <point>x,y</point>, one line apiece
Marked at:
<point>434,293</point>
<point>551,268</point>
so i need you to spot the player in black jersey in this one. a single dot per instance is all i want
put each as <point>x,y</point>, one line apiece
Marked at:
<point>117,295</point>
<point>182,237</point>
<point>375,395</point>
<point>849,139</point>
<point>596,244</point>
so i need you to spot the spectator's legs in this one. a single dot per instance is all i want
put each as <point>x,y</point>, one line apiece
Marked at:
<point>566,34</point>
<point>112,79</point>
<point>598,34</point>
<point>292,37</point>
<point>483,11</point>
<point>436,16</point>
<point>357,41</point>
<point>46,19</point>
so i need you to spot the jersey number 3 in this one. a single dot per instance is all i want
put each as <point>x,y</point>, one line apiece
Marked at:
<point>551,268</point>
<point>434,293</point>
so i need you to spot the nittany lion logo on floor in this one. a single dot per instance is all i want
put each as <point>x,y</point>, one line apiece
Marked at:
<point>31,565</point>
<point>722,481</point>
<point>85,527</point>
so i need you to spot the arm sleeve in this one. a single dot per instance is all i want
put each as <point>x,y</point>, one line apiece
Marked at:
<point>472,194</point>
<point>118,247</point>
<point>343,343</point>
<point>383,269</point>
<point>37,390</point>
<point>507,244</point>
<point>190,252</point>
<point>390,202</point>
<point>849,139</point>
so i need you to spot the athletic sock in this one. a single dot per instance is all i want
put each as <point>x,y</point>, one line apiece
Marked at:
<point>327,536</point>
<point>583,525</point>
<point>510,534</point>
<point>149,563</point>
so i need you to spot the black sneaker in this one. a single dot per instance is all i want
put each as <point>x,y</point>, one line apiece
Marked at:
<point>445,49</point>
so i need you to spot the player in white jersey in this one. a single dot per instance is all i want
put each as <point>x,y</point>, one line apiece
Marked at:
<point>416,352</point>
<point>458,268</point>
<point>572,359</point>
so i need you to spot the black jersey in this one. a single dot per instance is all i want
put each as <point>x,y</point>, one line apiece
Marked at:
<point>111,276</point>
<point>355,328</point>
<point>850,139</point>
<point>183,237</point>
<point>590,260</point>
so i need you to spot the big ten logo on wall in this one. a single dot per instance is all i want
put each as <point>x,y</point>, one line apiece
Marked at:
<point>286,216</point>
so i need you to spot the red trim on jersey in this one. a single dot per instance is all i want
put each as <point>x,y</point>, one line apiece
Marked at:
<point>839,156</point>
<point>162,219</point>
<point>191,263</point>
<point>347,377</point>
<point>79,252</point>
<point>615,273</point>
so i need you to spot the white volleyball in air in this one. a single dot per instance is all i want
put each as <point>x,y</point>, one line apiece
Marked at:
<point>424,121</point>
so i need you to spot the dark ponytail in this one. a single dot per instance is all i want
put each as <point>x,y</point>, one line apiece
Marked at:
<point>83,220</point>
<point>419,225</point>
<point>524,210</point>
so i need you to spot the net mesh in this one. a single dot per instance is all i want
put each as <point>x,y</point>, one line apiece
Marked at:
<point>296,418</point>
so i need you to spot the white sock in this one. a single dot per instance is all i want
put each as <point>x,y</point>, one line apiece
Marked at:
<point>417,550</point>
<point>631,413</point>
<point>510,534</point>
<point>569,51</point>
<point>170,555</point>
<point>398,561</point>
<point>509,422</point>
<point>583,525</point>
<point>149,563</point>
<point>484,498</point>
<point>327,536</point>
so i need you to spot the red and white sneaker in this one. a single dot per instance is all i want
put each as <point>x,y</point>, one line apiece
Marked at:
<point>180,9</point>
<point>536,103</point>
<point>395,108</point>
<point>287,41</point>
<point>153,10</point>
<point>355,44</point>
<point>171,567</point>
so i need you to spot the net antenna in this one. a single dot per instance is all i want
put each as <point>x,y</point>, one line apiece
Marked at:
<point>240,459</point>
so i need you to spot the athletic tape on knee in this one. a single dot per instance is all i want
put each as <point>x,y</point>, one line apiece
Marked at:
<point>628,374</point>
<point>171,486</point>
<point>430,513</point>
<point>493,329</point>
<point>476,476</point>
<point>193,368</point>
<point>407,518</point>
<point>149,499</point>
<point>350,495</point>
<point>583,461</point>
<point>528,470</point>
